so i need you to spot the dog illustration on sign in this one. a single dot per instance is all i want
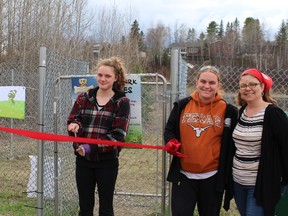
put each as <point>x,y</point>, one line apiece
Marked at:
<point>12,95</point>
<point>82,88</point>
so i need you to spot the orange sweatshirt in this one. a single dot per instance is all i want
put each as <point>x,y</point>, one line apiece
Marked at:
<point>201,128</point>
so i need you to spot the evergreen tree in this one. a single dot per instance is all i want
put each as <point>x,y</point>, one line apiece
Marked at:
<point>282,36</point>
<point>281,45</point>
<point>254,46</point>
<point>220,34</point>
<point>228,29</point>
<point>252,35</point>
<point>135,31</point>
<point>212,32</point>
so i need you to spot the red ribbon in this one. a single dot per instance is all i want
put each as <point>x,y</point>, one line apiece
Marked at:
<point>66,138</point>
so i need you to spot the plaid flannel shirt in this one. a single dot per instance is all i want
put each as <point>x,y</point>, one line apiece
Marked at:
<point>109,123</point>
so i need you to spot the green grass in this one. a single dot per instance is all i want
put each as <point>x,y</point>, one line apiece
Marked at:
<point>11,109</point>
<point>13,182</point>
<point>15,204</point>
<point>14,177</point>
<point>231,212</point>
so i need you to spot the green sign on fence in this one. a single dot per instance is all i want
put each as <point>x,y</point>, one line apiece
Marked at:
<point>12,102</point>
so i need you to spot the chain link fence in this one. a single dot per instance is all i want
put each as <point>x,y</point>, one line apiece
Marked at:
<point>15,150</point>
<point>141,188</point>
<point>230,83</point>
<point>139,185</point>
<point>186,74</point>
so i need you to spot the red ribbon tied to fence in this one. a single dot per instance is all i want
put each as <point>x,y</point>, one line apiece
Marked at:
<point>66,138</point>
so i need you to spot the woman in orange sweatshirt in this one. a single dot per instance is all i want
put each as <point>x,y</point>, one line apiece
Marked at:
<point>200,126</point>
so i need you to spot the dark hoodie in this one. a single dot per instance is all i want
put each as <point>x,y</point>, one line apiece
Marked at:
<point>227,143</point>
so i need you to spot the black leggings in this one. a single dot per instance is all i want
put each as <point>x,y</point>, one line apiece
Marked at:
<point>105,178</point>
<point>189,192</point>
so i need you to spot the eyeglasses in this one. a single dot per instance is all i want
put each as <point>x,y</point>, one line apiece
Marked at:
<point>209,67</point>
<point>250,85</point>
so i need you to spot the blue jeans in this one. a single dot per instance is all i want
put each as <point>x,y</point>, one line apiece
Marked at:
<point>245,201</point>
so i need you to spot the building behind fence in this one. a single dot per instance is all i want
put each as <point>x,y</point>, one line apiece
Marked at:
<point>141,188</point>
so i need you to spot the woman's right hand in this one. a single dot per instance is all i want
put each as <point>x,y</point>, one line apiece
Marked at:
<point>172,147</point>
<point>73,127</point>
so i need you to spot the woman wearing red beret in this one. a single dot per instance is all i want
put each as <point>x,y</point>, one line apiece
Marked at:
<point>260,163</point>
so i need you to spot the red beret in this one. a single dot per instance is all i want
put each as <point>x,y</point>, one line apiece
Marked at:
<point>263,78</point>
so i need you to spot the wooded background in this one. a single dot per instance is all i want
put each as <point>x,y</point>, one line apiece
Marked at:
<point>71,27</point>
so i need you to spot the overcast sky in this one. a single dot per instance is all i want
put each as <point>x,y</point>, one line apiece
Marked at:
<point>198,14</point>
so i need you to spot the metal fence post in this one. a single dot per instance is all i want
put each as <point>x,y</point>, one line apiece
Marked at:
<point>174,75</point>
<point>40,158</point>
<point>11,155</point>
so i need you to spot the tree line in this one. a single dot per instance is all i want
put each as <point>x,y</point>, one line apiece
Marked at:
<point>70,27</point>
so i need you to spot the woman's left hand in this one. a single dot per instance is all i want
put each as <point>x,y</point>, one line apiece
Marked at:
<point>81,151</point>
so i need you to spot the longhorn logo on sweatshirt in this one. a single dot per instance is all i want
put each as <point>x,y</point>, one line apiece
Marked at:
<point>199,130</point>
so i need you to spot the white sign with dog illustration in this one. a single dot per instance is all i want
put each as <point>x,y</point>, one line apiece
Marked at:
<point>12,102</point>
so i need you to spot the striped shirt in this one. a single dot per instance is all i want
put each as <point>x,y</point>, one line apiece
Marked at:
<point>247,137</point>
